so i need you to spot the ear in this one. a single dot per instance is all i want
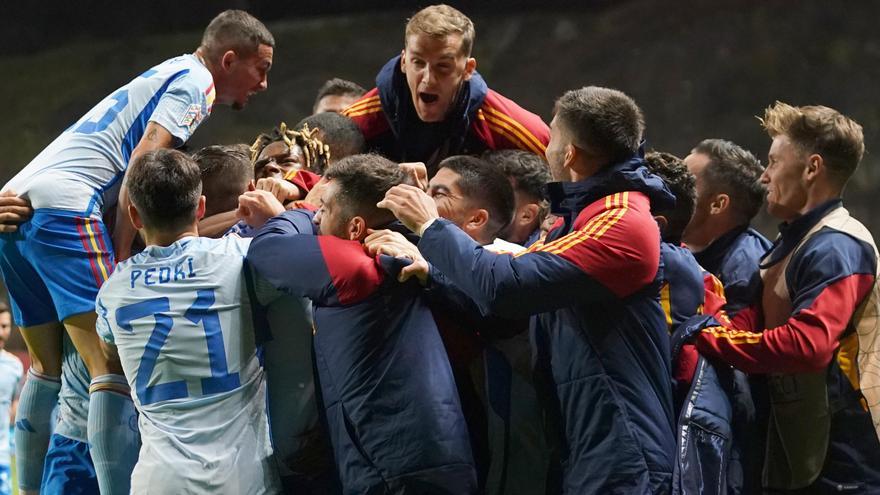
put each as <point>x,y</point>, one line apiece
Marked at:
<point>135,217</point>
<point>527,214</point>
<point>815,165</point>
<point>469,67</point>
<point>479,219</point>
<point>719,204</point>
<point>357,229</point>
<point>200,210</point>
<point>228,59</point>
<point>572,153</point>
<point>662,223</point>
<point>403,60</point>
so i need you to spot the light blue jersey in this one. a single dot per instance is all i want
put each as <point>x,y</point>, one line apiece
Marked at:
<point>180,317</point>
<point>10,376</point>
<point>80,170</point>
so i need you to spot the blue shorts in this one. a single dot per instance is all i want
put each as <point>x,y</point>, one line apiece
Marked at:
<point>5,480</point>
<point>68,467</point>
<point>54,265</point>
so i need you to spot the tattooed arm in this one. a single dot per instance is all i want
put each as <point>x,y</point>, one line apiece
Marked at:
<point>155,137</point>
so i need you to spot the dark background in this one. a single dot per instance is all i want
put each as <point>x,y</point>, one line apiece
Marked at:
<point>698,68</point>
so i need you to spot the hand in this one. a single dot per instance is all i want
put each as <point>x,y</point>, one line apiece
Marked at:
<point>255,207</point>
<point>395,244</point>
<point>314,196</point>
<point>417,172</point>
<point>412,206</point>
<point>13,211</point>
<point>280,188</point>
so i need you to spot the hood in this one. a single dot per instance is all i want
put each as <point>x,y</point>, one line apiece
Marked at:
<point>398,108</point>
<point>630,175</point>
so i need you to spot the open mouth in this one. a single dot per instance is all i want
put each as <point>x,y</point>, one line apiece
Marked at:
<point>428,97</point>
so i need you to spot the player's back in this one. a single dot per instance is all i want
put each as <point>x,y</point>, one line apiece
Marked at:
<point>83,165</point>
<point>181,320</point>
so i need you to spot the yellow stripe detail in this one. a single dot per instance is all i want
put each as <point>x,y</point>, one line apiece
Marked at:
<point>846,359</point>
<point>497,124</point>
<point>363,103</point>
<point>592,225</point>
<point>94,243</point>
<point>113,387</point>
<point>619,208</point>
<point>376,109</point>
<point>521,130</point>
<point>734,336</point>
<point>666,303</point>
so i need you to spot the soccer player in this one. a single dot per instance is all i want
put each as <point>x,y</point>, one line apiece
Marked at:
<point>431,103</point>
<point>388,392</point>
<point>179,316</point>
<point>600,333</point>
<point>336,95</point>
<point>729,195</point>
<point>70,185</point>
<point>10,377</point>
<point>813,329</point>
<point>529,175</point>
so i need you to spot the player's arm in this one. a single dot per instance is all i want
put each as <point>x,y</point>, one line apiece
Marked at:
<point>215,226</point>
<point>155,137</point>
<point>579,267</point>
<point>829,279</point>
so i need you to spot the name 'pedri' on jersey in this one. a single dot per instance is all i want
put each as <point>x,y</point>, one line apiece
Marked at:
<point>81,169</point>
<point>180,317</point>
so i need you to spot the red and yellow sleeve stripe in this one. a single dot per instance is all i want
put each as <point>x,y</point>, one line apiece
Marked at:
<point>511,130</point>
<point>364,107</point>
<point>616,206</point>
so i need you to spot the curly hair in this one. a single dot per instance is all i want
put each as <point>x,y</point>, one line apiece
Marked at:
<point>683,185</point>
<point>316,153</point>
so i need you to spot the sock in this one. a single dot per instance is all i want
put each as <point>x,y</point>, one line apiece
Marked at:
<point>33,426</point>
<point>114,440</point>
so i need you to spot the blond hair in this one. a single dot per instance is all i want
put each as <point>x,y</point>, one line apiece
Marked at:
<point>820,130</point>
<point>440,21</point>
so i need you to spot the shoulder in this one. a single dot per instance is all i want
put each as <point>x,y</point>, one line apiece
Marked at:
<point>13,362</point>
<point>368,114</point>
<point>513,126</point>
<point>831,253</point>
<point>354,274</point>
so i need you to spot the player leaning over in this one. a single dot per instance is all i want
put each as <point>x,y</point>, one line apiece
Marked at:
<point>179,316</point>
<point>56,262</point>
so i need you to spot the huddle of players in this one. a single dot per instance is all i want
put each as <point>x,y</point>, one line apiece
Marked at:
<point>465,324</point>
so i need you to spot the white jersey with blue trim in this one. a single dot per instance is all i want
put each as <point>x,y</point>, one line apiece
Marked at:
<point>81,169</point>
<point>10,376</point>
<point>181,319</point>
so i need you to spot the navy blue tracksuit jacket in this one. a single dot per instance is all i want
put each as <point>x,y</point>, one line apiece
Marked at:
<point>391,406</point>
<point>599,330</point>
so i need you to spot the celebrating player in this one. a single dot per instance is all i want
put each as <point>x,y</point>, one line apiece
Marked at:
<point>57,261</point>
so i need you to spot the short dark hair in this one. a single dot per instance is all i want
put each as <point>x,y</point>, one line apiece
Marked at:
<point>604,121</point>
<point>734,171</point>
<point>165,185</point>
<point>363,181</point>
<point>338,87</point>
<point>484,186</point>
<point>527,171</point>
<point>226,172</point>
<point>683,185</point>
<point>235,30</point>
<point>339,132</point>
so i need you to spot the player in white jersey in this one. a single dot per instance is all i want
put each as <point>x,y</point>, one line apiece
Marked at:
<point>10,376</point>
<point>179,317</point>
<point>56,261</point>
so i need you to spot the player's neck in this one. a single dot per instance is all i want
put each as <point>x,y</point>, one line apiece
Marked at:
<point>166,238</point>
